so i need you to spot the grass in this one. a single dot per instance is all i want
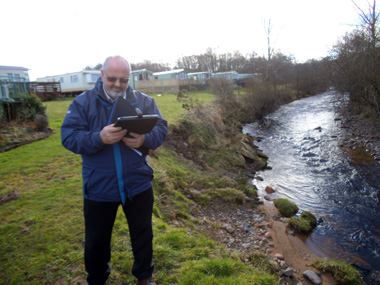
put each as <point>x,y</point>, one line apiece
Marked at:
<point>286,207</point>
<point>343,273</point>
<point>305,224</point>
<point>172,109</point>
<point>42,232</point>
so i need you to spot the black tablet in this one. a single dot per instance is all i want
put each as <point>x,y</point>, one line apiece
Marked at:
<point>135,124</point>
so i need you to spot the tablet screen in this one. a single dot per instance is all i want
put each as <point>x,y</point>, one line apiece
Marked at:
<point>134,124</point>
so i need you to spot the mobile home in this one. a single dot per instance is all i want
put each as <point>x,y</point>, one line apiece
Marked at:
<point>138,75</point>
<point>202,77</point>
<point>171,74</point>
<point>75,82</point>
<point>14,73</point>
<point>229,75</point>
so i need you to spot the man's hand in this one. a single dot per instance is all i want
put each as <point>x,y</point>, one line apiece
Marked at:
<point>135,142</point>
<point>111,134</point>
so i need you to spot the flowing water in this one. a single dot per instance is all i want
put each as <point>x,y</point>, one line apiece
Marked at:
<point>311,169</point>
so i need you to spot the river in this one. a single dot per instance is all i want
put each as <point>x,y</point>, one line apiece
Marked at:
<point>302,140</point>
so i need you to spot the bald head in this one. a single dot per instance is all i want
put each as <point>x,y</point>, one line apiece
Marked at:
<point>116,60</point>
<point>115,75</point>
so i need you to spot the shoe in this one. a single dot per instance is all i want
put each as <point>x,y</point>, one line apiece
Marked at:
<point>148,281</point>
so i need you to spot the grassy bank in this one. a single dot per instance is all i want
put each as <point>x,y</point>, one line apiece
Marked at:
<point>42,231</point>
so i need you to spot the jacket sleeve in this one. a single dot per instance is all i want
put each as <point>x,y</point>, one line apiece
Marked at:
<point>158,134</point>
<point>76,134</point>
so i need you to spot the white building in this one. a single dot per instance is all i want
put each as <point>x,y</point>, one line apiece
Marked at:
<point>75,82</point>
<point>14,73</point>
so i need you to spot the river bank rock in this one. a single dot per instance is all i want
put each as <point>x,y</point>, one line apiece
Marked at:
<point>312,276</point>
<point>361,133</point>
<point>269,190</point>
<point>251,154</point>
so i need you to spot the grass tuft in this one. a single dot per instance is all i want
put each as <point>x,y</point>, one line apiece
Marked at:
<point>343,273</point>
<point>286,208</point>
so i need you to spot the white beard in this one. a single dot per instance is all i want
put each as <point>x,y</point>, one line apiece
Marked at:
<point>114,94</point>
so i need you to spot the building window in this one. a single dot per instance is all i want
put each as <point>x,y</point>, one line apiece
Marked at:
<point>74,78</point>
<point>10,76</point>
<point>94,77</point>
<point>61,80</point>
<point>17,77</point>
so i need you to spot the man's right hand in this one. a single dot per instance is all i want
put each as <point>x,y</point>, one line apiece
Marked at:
<point>111,134</point>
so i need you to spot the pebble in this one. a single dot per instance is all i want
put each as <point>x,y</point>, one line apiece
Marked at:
<point>288,272</point>
<point>279,256</point>
<point>361,134</point>
<point>312,276</point>
<point>269,190</point>
<point>243,230</point>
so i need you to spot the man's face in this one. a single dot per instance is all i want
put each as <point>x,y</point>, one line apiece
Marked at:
<point>115,78</point>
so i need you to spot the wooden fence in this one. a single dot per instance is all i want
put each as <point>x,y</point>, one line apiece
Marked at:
<point>165,85</point>
<point>45,90</point>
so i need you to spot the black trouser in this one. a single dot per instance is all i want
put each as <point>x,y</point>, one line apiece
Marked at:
<point>99,221</point>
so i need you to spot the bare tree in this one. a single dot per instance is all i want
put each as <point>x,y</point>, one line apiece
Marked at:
<point>358,59</point>
<point>268,29</point>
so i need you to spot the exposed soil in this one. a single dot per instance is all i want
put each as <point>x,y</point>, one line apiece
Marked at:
<point>247,228</point>
<point>15,134</point>
<point>13,195</point>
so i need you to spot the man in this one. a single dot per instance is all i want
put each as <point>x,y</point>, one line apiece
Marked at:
<point>115,170</point>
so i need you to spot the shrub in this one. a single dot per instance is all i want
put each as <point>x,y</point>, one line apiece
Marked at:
<point>286,207</point>
<point>41,122</point>
<point>222,88</point>
<point>259,101</point>
<point>30,108</point>
<point>343,273</point>
<point>182,94</point>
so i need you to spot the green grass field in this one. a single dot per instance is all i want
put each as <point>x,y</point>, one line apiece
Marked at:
<point>42,231</point>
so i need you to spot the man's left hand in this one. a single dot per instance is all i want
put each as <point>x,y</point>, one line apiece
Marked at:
<point>135,142</point>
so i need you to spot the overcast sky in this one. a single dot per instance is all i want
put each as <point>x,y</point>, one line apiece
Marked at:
<point>56,37</point>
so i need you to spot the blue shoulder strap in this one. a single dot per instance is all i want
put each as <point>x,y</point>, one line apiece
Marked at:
<point>118,161</point>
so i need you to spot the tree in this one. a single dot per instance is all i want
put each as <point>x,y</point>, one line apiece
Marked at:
<point>96,67</point>
<point>268,30</point>
<point>152,66</point>
<point>357,57</point>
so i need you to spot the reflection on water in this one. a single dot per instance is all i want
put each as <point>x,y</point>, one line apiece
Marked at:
<point>309,168</point>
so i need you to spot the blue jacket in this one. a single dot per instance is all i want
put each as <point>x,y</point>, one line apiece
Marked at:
<point>110,172</point>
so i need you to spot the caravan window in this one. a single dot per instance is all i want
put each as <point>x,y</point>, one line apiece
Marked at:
<point>74,78</point>
<point>94,77</point>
